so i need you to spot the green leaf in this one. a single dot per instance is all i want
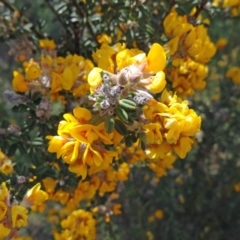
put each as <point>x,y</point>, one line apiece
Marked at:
<point>122,114</point>
<point>127,104</point>
<point>3,177</point>
<point>36,97</point>
<point>109,124</point>
<point>128,141</point>
<point>19,108</point>
<point>4,123</point>
<point>120,127</point>
<point>12,149</point>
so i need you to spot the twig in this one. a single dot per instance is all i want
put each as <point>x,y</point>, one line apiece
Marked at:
<point>200,8</point>
<point>13,8</point>
<point>82,15</point>
<point>171,4</point>
<point>57,16</point>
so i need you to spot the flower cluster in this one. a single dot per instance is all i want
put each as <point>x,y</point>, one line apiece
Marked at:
<point>14,216</point>
<point>81,144</point>
<point>100,140</point>
<point>190,48</point>
<point>234,74</point>
<point>54,74</point>
<point>187,75</point>
<point>232,5</point>
<point>79,224</point>
<point>6,165</point>
<point>123,71</point>
<point>172,124</point>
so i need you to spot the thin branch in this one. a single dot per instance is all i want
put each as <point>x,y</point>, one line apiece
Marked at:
<point>76,33</point>
<point>171,5</point>
<point>200,8</point>
<point>82,15</point>
<point>13,8</point>
<point>58,16</point>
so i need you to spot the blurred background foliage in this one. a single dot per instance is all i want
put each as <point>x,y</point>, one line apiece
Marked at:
<point>197,197</point>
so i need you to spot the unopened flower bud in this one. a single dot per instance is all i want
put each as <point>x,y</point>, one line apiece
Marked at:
<point>134,74</point>
<point>122,78</point>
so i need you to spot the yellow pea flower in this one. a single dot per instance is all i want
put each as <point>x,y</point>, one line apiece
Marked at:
<point>35,195</point>
<point>32,71</point>
<point>47,44</point>
<point>91,156</point>
<point>221,43</point>
<point>3,210</point>
<point>49,184</point>
<point>82,114</point>
<point>183,146</point>
<point>104,39</point>
<point>172,45</point>
<point>3,191</point>
<point>153,133</point>
<point>157,150</point>
<point>95,78</point>
<point>159,214</point>
<point>158,83</point>
<point>4,231</point>
<point>117,209</point>
<point>19,216</point>
<point>79,168</point>
<point>55,143</point>
<point>156,59</point>
<point>123,172</point>
<point>67,78</point>
<point>19,84</point>
<point>56,82</point>
<point>7,167</point>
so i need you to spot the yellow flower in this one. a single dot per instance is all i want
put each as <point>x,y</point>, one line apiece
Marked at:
<point>7,167</point>
<point>19,216</point>
<point>172,45</point>
<point>153,133</point>
<point>3,191</point>
<point>95,78</point>
<point>55,144</point>
<point>32,71</point>
<point>156,59</point>
<point>49,184</point>
<point>79,168</point>
<point>61,196</point>
<point>123,172</point>
<point>47,44</point>
<point>56,82</point>
<point>19,84</point>
<point>117,209</point>
<point>127,57</point>
<point>221,43</point>
<point>159,214</point>
<point>91,156</point>
<point>4,231</point>
<point>150,235</point>
<point>3,210</point>
<point>157,83</point>
<point>157,150</point>
<point>234,74</point>
<point>237,187</point>
<point>84,133</point>
<point>104,39</point>
<point>67,78</point>
<point>183,146</point>
<point>35,196</point>
<point>83,115</point>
